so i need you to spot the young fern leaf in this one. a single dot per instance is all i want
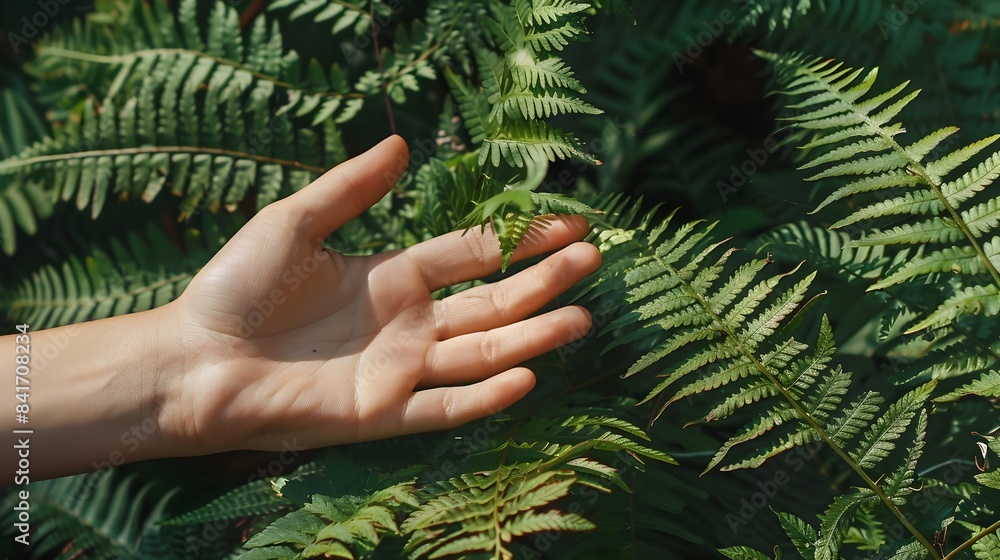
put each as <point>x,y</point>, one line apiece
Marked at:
<point>334,527</point>
<point>485,511</point>
<point>846,122</point>
<point>521,88</point>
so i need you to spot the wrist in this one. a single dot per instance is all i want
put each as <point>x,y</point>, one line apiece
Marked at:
<point>100,393</point>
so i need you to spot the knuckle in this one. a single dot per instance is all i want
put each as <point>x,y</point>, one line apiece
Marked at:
<point>448,404</point>
<point>476,245</point>
<point>490,349</point>
<point>500,299</point>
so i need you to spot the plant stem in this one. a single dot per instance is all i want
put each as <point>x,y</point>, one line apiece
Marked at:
<point>914,166</point>
<point>381,71</point>
<point>14,163</point>
<point>984,533</point>
<point>807,417</point>
<point>125,58</point>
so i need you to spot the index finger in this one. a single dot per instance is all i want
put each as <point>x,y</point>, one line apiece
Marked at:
<point>462,256</point>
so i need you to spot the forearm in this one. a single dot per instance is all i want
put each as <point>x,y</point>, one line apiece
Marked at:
<point>95,395</point>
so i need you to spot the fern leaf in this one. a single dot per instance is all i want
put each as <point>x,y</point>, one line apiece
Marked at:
<point>100,285</point>
<point>103,517</point>
<point>835,522</point>
<point>488,523</point>
<point>526,141</point>
<point>255,498</point>
<point>986,386</point>
<point>970,300</point>
<point>802,535</point>
<point>878,440</point>
<point>743,553</point>
<point>959,241</point>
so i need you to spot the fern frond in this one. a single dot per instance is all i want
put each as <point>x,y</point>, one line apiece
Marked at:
<point>730,335</point>
<point>343,527</point>
<point>487,510</point>
<point>490,510</point>
<point>95,515</point>
<point>140,272</point>
<point>986,386</point>
<point>743,553</point>
<point>782,14</point>
<point>907,178</point>
<point>162,49</point>
<point>802,535</point>
<point>23,203</point>
<point>254,498</point>
<point>340,15</point>
<point>878,440</point>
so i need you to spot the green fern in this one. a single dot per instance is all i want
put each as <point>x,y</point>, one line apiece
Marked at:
<point>986,386</point>
<point>140,272</point>
<point>343,527</point>
<point>847,14</point>
<point>521,88</point>
<point>844,122</point>
<point>341,15</point>
<point>154,125</point>
<point>162,58</point>
<point>23,202</point>
<point>726,327</point>
<point>95,515</point>
<point>485,511</point>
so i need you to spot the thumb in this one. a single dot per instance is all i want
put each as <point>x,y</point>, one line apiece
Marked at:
<point>344,192</point>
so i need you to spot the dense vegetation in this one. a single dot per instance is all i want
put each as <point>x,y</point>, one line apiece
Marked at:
<point>796,340</point>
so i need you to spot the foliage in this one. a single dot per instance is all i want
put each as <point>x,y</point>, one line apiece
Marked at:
<point>94,515</point>
<point>845,365</point>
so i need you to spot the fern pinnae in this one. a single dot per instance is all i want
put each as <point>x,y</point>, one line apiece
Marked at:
<point>845,114</point>
<point>734,336</point>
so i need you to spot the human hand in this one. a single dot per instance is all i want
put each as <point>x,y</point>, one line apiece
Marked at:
<point>283,340</point>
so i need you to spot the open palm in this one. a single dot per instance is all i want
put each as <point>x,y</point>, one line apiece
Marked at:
<point>299,344</point>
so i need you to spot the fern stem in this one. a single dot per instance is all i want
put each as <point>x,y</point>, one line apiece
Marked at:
<point>123,58</point>
<point>982,534</point>
<point>773,379</point>
<point>430,51</point>
<point>914,166</point>
<point>14,163</point>
<point>922,172</point>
